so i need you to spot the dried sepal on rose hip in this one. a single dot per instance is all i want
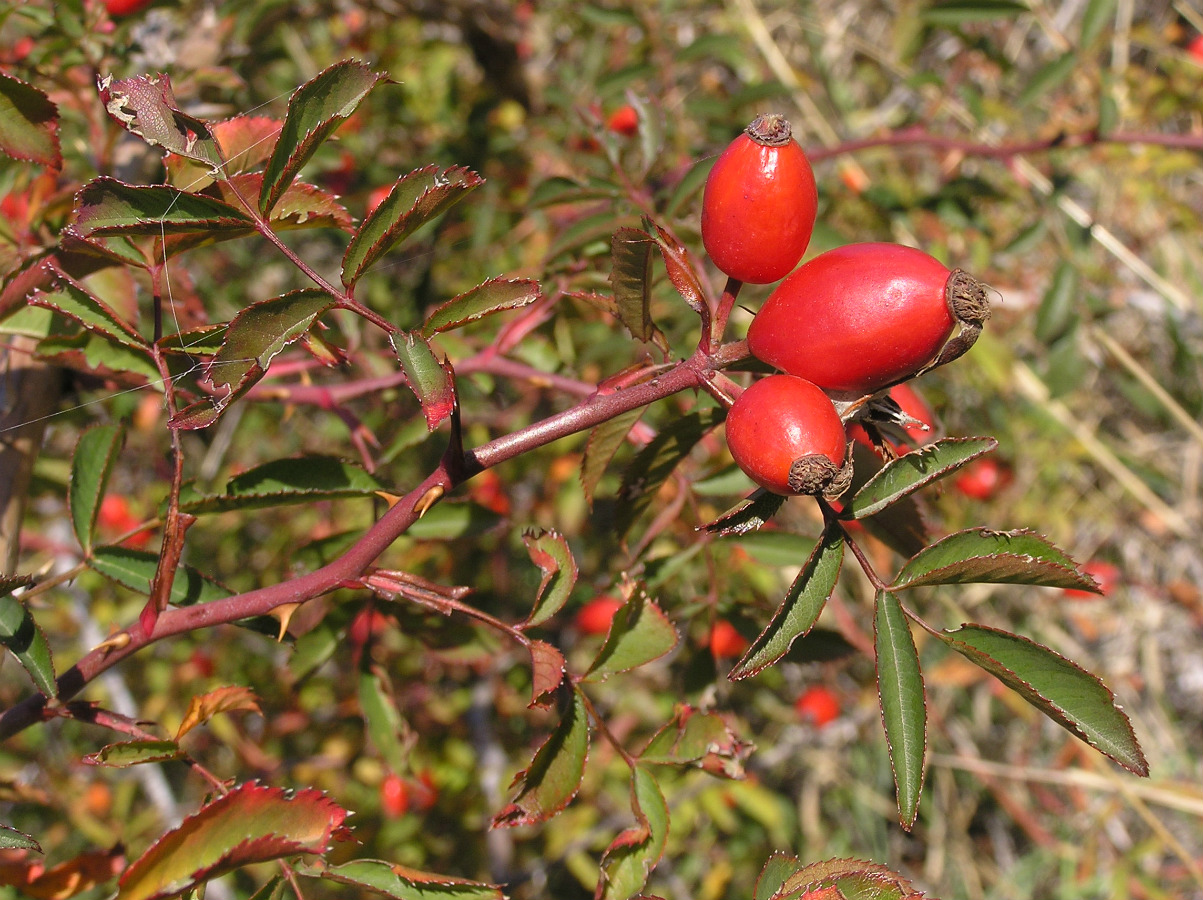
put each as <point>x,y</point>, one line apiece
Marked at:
<point>759,204</point>
<point>862,317</point>
<point>786,435</point>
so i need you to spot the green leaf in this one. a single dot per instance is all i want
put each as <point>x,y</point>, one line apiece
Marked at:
<point>134,753</point>
<point>558,189</point>
<point>550,552</point>
<point>632,855</point>
<point>777,870</point>
<point>603,442</point>
<point>453,520</point>
<point>415,199</point>
<point>655,462</point>
<point>639,633</point>
<point>76,302</point>
<point>1096,17</point>
<point>250,824</point>
<point>1049,76</point>
<point>1062,690</point>
<point>1056,314</point>
<point>22,636</point>
<point>145,105</point>
<point>431,381</point>
<point>28,123</point>
<point>255,337</point>
<point>90,351</point>
<point>96,453</point>
<point>106,206</point>
<point>403,883</point>
<point>135,569</point>
<point>384,723</point>
<point>283,482</point>
<point>780,549</point>
<point>493,296</point>
<point>315,109</point>
<point>631,279</point>
<point>960,12</point>
<point>748,515</point>
<point>998,557</point>
<point>11,839</point>
<point>799,610</point>
<point>911,471</point>
<point>555,773</point>
<point>696,738</point>
<point>903,708</point>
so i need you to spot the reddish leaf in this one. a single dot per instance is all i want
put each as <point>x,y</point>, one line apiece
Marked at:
<point>28,123</point>
<point>204,707</point>
<point>680,269</point>
<point>844,879</point>
<point>146,106</point>
<point>555,773</point>
<point>250,824</point>
<point>547,671</point>
<point>550,552</point>
<point>415,199</point>
<point>431,381</point>
<point>83,873</point>
<point>246,142</point>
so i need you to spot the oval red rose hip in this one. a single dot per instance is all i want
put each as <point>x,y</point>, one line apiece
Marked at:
<point>865,316</point>
<point>759,205</point>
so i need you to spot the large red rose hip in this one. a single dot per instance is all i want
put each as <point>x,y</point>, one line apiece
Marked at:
<point>865,316</point>
<point>758,208</point>
<point>787,437</point>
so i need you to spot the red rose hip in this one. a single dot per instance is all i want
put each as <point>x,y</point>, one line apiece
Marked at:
<point>758,208</point>
<point>862,317</point>
<point>787,437</point>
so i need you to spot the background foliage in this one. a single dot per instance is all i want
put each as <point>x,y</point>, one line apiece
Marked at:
<point>1052,150</point>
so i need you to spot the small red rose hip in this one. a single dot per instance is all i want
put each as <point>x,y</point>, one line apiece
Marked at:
<point>725,641</point>
<point>125,7</point>
<point>818,706</point>
<point>595,616</point>
<point>1105,575</point>
<point>394,795</point>
<point>787,437</point>
<point>758,208</point>
<point>861,317</point>
<point>983,478</point>
<point>624,121</point>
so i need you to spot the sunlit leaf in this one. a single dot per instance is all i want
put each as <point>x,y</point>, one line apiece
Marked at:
<point>846,879</point>
<point>431,381</point>
<point>315,109</point>
<point>639,633</point>
<point>76,302</point>
<point>250,824</point>
<point>632,855</point>
<point>913,470</point>
<point>22,636</point>
<point>134,753</point>
<point>135,569</point>
<point>696,738</point>
<point>748,515</point>
<point>799,610</point>
<point>255,337</point>
<point>77,875</point>
<point>603,442</point>
<point>283,482</point>
<point>777,869</point>
<point>547,672</point>
<point>203,707</point>
<point>403,883</point>
<point>415,199</point>
<point>494,295</point>
<point>145,105</point>
<point>28,123</point>
<point>385,726</point>
<point>550,552</point>
<point>680,268</point>
<point>1000,557</point>
<point>96,453</point>
<point>554,775</point>
<point>106,206</point>
<point>1059,688</point>
<point>11,839</point>
<point>903,707</point>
